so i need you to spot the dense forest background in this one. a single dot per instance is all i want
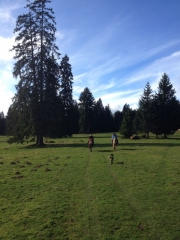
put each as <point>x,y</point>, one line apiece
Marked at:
<point>158,113</point>
<point>43,105</point>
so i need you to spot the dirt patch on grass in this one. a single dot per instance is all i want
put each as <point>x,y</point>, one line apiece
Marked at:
<point>47,170</point>
<point>28,163</point>
<point>39,165</point>
<point>13,163</point>
<point>33,170</point>
<point>18,177</point>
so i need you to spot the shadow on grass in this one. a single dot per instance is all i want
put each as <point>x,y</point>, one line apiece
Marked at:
<point>121,146</point>
<point>128,149</point>
<point>104,151</point>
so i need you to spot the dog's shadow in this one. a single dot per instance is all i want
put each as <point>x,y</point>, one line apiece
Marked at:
<point>104,151</point>
<point>120,162</point>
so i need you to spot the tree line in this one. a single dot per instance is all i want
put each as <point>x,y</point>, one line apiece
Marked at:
<point>43,105</point>
<point>157,112</point>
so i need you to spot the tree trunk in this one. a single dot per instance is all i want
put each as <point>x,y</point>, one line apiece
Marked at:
<point>39,140</point>
<point>147,135</point>
<point>165,136</point>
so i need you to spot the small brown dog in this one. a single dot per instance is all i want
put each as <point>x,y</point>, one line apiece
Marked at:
<point>111,157</point>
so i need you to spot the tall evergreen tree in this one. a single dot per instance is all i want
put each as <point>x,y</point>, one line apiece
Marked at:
<point>52,102</point>
<point>66,96</point>
<point>99,116</point>
<point>2,124</point>
<point>75,114</point>
<point>165,108</point>
<point>108,119</point>
<point>18,120</point>
<point>138,122</point>
<point>35,45</point>
<point>117,119</point>
<point>126,127</point>
<point>86,111</point>
<point>145,106</point>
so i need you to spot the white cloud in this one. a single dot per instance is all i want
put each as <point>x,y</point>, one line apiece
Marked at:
<point>103,87</point>
<point>6,8</point>
<point>117,100</point>
<point>5,93</point>
<point>5,16</point>
<point>153,72</point>
<point>78,78</point>
<point>6,80</point>
<point>5,46</point>
<point>59,35</point>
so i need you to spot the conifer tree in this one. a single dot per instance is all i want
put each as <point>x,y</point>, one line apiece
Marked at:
<point>99,116</point>
<point>138,123</point>
<point>75,114</point>
<point>86,111</point>
<point>126,127</point>
<point>66,96</point>
<point>35,46</point>
<point>2,124</point>
<point>165,108</point>
<point>117,119</point>
<point>108,119</point>
<point>145,106</point>
<point>52,102</point>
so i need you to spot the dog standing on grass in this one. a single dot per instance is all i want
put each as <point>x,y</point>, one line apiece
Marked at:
<point>111,157</point>
<point>90,142</point>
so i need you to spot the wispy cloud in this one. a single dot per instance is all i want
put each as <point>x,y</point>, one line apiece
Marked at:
<point>118,99</point>
<point>108,57</point>
<point>7,88</point>
<point>148,73</point>
<point>101,65</point>
<point>5,46</point>
<point>6,8</point>
<point>153,71</point>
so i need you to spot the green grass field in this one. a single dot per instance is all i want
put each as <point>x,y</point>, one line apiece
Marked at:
<point>62,191</point>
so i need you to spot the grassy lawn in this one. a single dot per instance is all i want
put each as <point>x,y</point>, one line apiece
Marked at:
<point>63,191</point>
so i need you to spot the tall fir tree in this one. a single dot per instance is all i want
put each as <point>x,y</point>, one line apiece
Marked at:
<point>66,96</point>
<point>75,113</point>
<point>99,116</point>
<point>108,119</point>
<point>117,119</point>
<point>2,124</point>
<point>52,102</point>
<point>138,123</point>
<point>165,108</point>
<point>86,111</point>
<point>145,106</point>
<point>126,127</point>
<point>35,45</point>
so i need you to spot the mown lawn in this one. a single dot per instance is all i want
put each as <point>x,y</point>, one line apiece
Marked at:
<point>62,191</point>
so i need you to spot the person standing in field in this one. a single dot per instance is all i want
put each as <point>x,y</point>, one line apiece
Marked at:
<point>114,141</point>
<point>90,142</point>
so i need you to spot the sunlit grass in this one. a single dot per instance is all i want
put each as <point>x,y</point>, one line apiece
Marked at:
<point>63,191</point>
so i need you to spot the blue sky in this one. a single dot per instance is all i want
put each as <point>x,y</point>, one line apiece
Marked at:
<point>115,46</point>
